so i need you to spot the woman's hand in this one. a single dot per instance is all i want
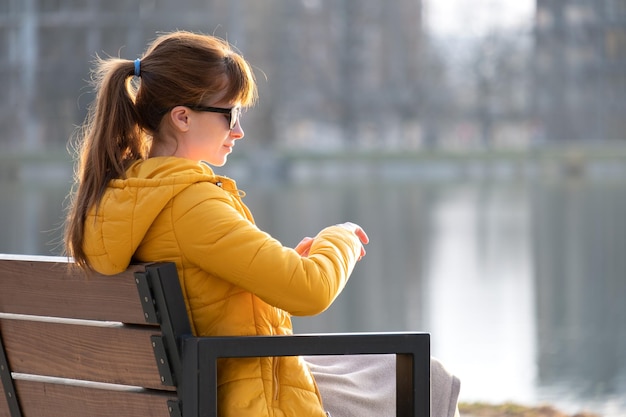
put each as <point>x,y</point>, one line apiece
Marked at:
<point>304,246</point>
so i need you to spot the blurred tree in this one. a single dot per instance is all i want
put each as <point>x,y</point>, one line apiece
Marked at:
<point>331,74</point>
<point>580,69</point>
<point>499,68</point>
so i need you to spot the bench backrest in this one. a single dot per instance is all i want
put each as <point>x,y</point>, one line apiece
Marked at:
<point>78,345</point>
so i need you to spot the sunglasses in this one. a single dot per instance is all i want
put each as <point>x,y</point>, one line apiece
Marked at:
<point>233,113</point>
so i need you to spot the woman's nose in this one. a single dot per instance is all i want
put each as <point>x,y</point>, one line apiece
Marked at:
<point>237,131</point>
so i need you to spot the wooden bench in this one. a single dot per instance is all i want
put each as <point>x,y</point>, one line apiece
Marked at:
<point>101,346</point>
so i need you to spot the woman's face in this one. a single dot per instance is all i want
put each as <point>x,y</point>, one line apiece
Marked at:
<point>208,136</point>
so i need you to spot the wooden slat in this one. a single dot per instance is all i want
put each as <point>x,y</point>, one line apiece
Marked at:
<point>41,399</point>
<point>48,286</point>
<point>119,355</point>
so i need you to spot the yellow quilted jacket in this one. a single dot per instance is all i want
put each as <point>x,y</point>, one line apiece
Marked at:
<point>236,279</point>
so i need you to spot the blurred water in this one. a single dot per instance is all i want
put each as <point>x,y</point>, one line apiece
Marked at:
<point>520,282</point>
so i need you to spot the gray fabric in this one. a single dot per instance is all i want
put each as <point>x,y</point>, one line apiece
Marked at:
<point>365,385</point>
<point>445,389</point>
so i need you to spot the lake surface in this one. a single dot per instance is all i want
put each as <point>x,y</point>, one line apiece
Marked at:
<point>520,281</point>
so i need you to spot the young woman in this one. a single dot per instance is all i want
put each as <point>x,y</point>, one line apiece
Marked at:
<point>145,192</point>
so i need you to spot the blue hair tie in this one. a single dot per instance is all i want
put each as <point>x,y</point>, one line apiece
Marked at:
<point>137,67</point>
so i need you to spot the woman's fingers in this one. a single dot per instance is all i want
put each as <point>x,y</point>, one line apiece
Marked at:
<point>304,246</point>
<point>362,235</point>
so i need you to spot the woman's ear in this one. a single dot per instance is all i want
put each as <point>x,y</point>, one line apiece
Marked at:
<point>179,116</point>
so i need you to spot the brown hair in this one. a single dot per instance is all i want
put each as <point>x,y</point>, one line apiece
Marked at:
<point>178,68</point>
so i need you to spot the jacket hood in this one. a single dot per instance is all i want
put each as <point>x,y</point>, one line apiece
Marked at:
<point>114,229</point>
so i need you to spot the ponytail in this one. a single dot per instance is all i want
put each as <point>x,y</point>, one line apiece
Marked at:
<point>109,141</point>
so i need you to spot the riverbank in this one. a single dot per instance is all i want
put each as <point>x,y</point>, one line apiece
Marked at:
<point>590,160</point>
<point>515,410</point>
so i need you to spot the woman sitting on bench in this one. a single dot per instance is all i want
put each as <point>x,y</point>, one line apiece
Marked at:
<point>146,192</point>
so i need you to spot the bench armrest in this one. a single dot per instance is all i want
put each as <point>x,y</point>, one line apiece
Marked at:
<point>200,356</point>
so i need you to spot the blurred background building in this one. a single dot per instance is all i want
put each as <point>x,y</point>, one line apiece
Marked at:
<point>326,69</point>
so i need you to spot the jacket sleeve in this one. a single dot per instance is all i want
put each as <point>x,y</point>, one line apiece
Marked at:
<point>218,238</point>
